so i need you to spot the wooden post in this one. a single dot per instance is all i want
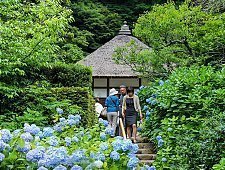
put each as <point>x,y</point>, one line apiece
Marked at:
<point>140,83</point>
<point>122,128</point>
<point>93,82</point>
<point>107,86</point>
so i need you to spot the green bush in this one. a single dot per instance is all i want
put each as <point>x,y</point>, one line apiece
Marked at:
<point>58,74</point>
<point>38,105</point>
<point>187,111</point>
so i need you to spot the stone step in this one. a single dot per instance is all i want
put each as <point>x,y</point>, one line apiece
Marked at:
<point>146,156</point>
<point>145,151</point>
<point>142,139</point>
<point>147,162</point>
<point>146,145</point>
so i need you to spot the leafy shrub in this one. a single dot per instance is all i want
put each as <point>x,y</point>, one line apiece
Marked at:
<point>37,105</point>
<point>58,74</point>
<point>187,112</point>
<point>66,145</point>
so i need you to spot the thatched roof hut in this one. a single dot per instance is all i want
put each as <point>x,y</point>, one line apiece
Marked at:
<point>106,73</point>
<point>101,60</point>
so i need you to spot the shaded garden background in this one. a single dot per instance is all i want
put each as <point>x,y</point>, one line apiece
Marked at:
<point>41,42</point>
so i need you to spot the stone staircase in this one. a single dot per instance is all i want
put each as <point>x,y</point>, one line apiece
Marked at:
<point>146,152</point>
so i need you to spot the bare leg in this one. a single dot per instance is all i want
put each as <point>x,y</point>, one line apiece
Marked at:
<point>128,132</point>
<point>134,132</point>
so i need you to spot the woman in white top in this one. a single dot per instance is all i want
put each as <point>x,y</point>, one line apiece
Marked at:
<point>98,106</point>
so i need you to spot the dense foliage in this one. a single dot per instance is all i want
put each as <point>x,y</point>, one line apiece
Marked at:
<point>37,104</point>
<point>66,145</point>
<point>99,23</point>
<point>185,114</point>
<point>178,36</point>
<point>38,51</point>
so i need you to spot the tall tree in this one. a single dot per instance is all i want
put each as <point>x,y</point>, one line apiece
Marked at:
<point>95,18</point>
<point>31,33</point>
<point>183,35</point>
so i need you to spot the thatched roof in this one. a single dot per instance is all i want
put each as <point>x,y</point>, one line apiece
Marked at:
<point>101,59</point>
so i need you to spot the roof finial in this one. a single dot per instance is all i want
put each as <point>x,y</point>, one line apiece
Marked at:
<point>125,29</point>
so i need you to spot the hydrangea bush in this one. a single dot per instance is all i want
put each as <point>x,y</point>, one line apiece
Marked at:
<point>66,145</point>
<point>185,118</point>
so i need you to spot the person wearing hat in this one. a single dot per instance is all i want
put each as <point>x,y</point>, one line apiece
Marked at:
<point>112,104</point>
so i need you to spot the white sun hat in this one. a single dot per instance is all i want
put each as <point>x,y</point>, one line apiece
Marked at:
<point>113,92</point>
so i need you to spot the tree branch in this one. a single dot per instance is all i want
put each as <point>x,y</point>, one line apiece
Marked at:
<point>33,48</point>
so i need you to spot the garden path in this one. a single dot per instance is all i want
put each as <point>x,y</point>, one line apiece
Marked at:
<point>146,152</point>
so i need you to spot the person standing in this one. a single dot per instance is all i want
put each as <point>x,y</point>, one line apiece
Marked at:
<point>130,109</point>
<point>123,92</point>
<point>98,107</point>
<point>112,104</point>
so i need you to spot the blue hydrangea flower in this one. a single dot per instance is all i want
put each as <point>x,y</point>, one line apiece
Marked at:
<point>148,113</point>
<point>62,119</point>
<point>36,154</point>
<point>152,168</point>
<point>97,156</point>
<point>32,129</point>
<point>98,164</point>
<point>92,155</point>
<point>145,107</point>
<point>42,168</point>
<point>158,138</point>
<point>148,100</point>
<point>137,91</point>
<point>40,135</point>
<point>127,145</point>
<point>75,139</point>
<point>103,136</point>
<point>24,148</point>
<point>76,157</point>
<point>53,141</point>
<point>2,157</point>
<point>60,167</point>
<point>76,167</point>
<point>72,122</point>
<point>26,137</point>
<point>47,132</point>
<point>161,82</point>
<point>104,122</point>
<point>119,138</point>
<point>133,162</point>
<point>134,148</point>
<point>68,141</point>
<point>81,133</point>
<point>141,87</point>
<point>5,135</point>
<point>71,117</point>
<point>58,128</point>
<point>16,132</point>
<point>146,167</point>
<point>115,155</point>
<point>53,157</point>
<point>2,145</point>
<point>77,117</point>
<point>59,111</point>
<point>100,156</point>
<point>153,102</point>
<point>103,146</point>
<point>109,131</point>
<point>160,143</point>
<point>117,145</point>
<point>131,155</point>
<point>164,159</point>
